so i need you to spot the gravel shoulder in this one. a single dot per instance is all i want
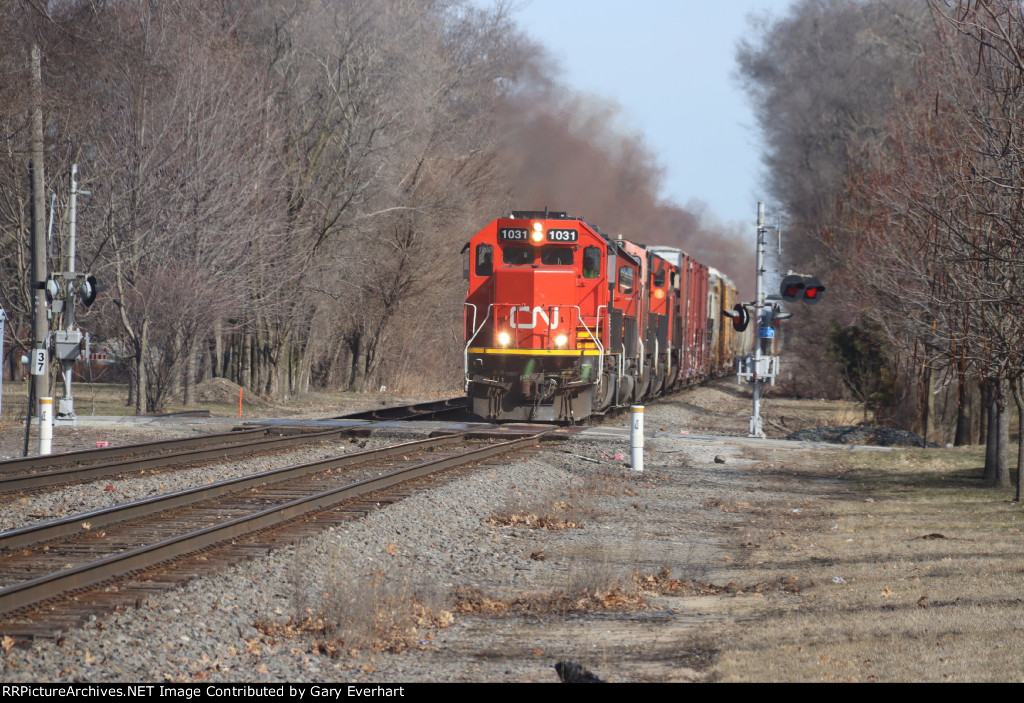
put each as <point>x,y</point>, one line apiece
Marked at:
<point>638,577</point>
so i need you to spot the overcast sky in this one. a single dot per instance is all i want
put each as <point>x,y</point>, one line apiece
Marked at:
<point>671,65</point>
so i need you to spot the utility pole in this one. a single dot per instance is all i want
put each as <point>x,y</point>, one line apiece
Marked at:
<point>40,327</point>
<point>3,323</point>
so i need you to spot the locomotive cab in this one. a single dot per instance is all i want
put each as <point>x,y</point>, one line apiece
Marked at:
<point>549,298</point>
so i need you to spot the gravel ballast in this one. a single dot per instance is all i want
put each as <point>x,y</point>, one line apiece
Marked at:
<point>245,624</point>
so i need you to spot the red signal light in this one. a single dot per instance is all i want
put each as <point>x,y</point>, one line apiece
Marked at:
<point>739,315</point>
<point>812,290</point>
<point>807,288</point>
<point>791,287</point>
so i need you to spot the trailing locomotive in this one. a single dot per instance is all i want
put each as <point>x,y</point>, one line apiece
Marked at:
<point>562,322</point>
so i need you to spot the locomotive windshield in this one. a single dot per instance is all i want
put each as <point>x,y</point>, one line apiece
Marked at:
<point>515,255</point>
<point>556,256</point>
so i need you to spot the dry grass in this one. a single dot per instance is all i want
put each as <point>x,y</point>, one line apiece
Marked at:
<point>555,515</point>
<point>470,601</point>
<point>592,582</point>
<point>546,513</point>
<point>350,612</point>
<point>844,416</point>
<point>789,414</point>
<point>915,572</point>
<point>378,612</point>
<point>662,583</point>
<point>110,399</point>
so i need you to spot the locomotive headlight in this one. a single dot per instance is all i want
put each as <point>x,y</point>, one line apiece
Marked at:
<point>659,293</point>
<point>504,339</point>
<point>537,235</point>
<point>561,340</point>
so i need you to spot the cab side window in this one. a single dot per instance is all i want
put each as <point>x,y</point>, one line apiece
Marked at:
<point>625,280</point>
<point>484,260</point>
<point>591,262</point>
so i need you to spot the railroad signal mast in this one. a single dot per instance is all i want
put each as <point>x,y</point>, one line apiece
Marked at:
<point>63,288</point>
<point>761,366</point>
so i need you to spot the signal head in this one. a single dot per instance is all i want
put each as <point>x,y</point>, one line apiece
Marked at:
<point>791,288</point>
<point>89,288</point>
<point>52,289</point>
<point>740,317</point>
<point>812,291</point>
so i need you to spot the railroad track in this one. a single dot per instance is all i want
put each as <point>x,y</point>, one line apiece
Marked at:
<point>38,471</point>
<point>74,467</point>
<point>125,451</point>
<point>223,440</point>
<point>417,411</point>
<point>54,574</point>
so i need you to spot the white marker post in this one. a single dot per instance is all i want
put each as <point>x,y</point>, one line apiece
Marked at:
<point>636,437</point>
<point>45,425</point>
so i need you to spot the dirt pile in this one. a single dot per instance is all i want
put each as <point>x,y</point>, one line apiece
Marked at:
<point>856,434</point>
<point>224,392</point>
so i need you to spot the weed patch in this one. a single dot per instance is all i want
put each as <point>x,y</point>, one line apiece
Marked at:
<point>546,514</point>
<point>557,519</point>
<point>662,583</point>
<point>726,506</point>
<point>471,601</point>
<point>371,612</point>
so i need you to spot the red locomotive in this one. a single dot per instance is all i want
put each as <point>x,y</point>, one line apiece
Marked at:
<point>562,322</point>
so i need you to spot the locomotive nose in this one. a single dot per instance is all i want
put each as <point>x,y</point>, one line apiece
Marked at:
<point>535,306</point>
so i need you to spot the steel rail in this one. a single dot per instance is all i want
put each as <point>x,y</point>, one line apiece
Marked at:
<point>77,458</point>
<point>54,529</point>
<point>91,456</point>
<point>74,474</point>
<point>41,588</point>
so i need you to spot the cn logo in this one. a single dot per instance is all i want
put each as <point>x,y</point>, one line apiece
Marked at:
<point>536,312</point>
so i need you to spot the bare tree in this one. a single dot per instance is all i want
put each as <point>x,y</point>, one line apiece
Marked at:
<point>180,146</point>
<point>940,212</point>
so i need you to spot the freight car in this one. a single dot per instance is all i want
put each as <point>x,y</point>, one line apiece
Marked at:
<point>563,322</point>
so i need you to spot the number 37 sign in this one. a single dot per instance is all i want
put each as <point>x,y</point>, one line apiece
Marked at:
<point>38,362</point>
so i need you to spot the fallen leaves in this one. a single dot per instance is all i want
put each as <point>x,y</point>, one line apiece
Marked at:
<point>544,521</point>
<point>472,601</point>
<point>662,583</point>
